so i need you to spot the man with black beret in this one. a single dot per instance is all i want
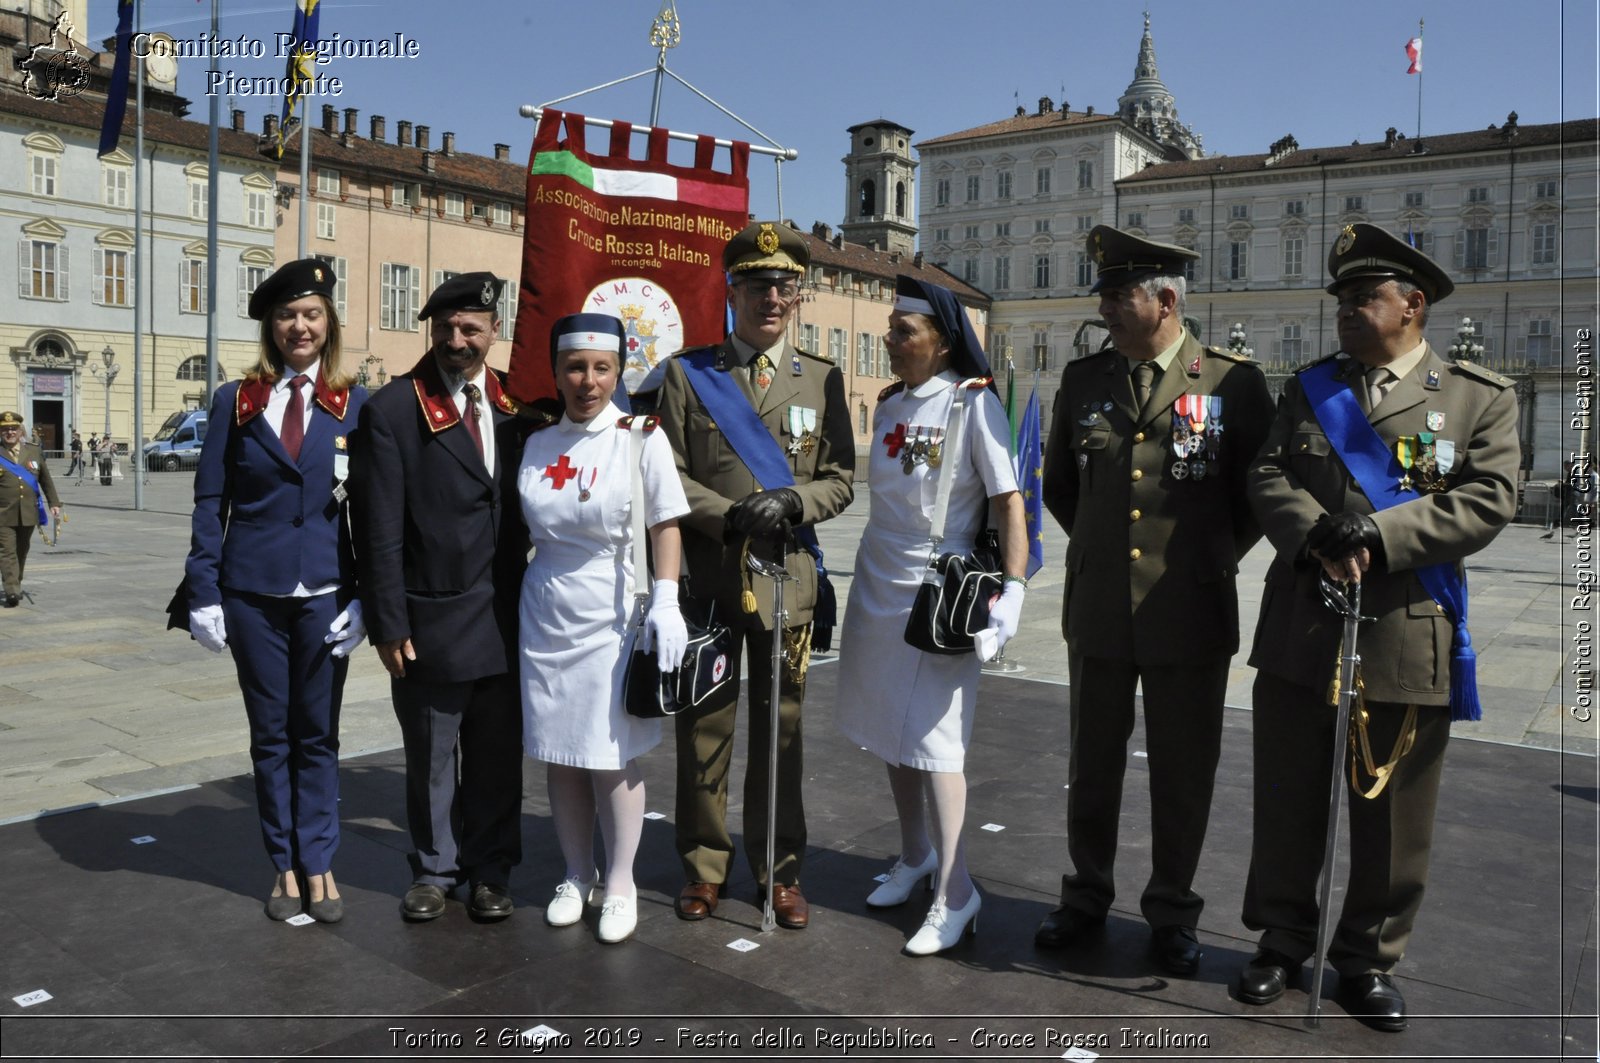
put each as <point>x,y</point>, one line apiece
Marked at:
<point>1387,466</point>
<point>1145,469</point>
<point>783,411</point>
<point>27,500</point>
<point>441,549</point>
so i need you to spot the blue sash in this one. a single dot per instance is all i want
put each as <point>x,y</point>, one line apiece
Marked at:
<point>1377,472</point>
<point>761,454</point>
<point>32,481</point>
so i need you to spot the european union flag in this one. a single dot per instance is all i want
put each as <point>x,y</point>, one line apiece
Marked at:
<point>1030,476</point>
<point>117,91</point>
<point>307,13</point>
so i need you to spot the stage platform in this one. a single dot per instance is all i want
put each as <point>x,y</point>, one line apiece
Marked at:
<point>142,922</point>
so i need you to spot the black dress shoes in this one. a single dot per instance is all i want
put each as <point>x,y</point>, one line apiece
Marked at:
<point>1266,976</point>
<point>1177,949</point>
<point>490,901</point>
<point>1065,926</point>
<point>1374,1000</point>
<point>13,600</point>
<point>423,901</point>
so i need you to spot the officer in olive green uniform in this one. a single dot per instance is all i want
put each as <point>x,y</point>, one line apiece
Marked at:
<point>1151,493</point>
<point>801,402</point>
<point>1452,428</point>
<point>23,475</point>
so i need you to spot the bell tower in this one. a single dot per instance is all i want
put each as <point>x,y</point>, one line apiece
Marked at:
<point>880,187</point>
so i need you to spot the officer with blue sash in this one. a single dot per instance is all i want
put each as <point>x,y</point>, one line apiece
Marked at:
<point>761,434</point>
<point>1390,466</point>
<point>25,491</point>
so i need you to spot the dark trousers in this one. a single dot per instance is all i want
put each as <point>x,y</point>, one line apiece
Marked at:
<point>463,746</point>
<point>1183,732</point>
<point>705,755</point>
<point>15,540</point>
<point>1390,835</point>
<point>292,686</point>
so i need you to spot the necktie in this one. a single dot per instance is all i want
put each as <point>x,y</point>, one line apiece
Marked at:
<point>1144,374</point>
<point>1377,386</point>
<point>474,412</point>
<point>294,419</point>
<point>761,373</point>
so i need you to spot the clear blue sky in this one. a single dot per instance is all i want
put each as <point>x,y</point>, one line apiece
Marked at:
<point>1244,72</point>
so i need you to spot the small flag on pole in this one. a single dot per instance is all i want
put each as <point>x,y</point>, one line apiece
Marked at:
<point>1414,53</point>
<point>1030,476</point>
<point>297,75</point>
<point>117,91</point>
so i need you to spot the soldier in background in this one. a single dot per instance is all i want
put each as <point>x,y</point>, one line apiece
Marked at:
<point>27,501</point>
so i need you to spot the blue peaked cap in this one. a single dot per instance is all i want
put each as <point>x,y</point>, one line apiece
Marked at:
<point>966,353</point>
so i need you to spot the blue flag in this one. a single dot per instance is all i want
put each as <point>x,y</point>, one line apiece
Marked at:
<point>1030,477</point>
<point>307,13</point>
<point>117,91</point>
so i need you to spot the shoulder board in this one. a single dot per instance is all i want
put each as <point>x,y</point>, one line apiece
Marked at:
<point>813,357</point>
<point>1318,361</point>
<point>893,389</point>
<point>1097,356</point>
<point>650,421</point>
<point>1488,376</point>
<point>1232,356</point>
<point>976,383</point>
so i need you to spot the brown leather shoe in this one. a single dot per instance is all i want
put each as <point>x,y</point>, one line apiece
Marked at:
<point>697,900</point>
<point>789,907</point>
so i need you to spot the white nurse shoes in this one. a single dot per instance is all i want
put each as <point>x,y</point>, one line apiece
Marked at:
<point>618,918</point>
<point>944,927</point>
<point>896,888</point>
<point>566,907</point>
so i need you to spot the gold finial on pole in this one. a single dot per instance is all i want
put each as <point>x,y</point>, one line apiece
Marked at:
<point>666,31</point>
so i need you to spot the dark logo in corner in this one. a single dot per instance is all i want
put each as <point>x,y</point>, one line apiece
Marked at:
<point>55,71</point>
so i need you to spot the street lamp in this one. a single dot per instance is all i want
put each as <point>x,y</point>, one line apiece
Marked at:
<point>1466,348</point>
<point>1236,341</point>
<point>108,377</point>
<point>365,371</point>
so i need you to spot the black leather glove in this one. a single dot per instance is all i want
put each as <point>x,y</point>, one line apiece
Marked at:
<point>1338,536</point>
<point>765,514</point>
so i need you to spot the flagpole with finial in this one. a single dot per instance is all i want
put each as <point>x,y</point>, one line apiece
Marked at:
<point>665,32</point>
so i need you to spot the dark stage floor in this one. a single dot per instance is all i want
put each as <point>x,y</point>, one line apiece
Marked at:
<point>159,949</point>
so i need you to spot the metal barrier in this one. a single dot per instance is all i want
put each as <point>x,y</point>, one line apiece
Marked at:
<point>1539,502</point>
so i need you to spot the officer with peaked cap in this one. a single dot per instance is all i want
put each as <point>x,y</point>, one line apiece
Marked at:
<point>1144,469</point>
<point>442,549</point>
<point>1389,466</point>
<point>26,493</point>
<point>753,401</point>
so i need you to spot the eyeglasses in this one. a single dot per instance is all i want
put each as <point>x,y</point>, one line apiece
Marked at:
<point>787,291</point>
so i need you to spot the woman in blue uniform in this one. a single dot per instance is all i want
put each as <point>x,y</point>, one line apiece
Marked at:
<point>271,574</point>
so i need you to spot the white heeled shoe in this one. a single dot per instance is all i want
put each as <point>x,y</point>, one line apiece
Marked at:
<point>943,927</point>
<point>896,889</point>
<point>618,918</point>
<point>566,907</point>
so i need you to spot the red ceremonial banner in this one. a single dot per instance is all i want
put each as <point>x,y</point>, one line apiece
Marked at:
<point>640,239</point>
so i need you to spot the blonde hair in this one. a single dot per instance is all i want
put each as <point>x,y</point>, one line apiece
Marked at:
<point>269,364</point>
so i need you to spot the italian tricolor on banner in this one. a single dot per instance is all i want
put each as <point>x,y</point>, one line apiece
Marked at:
<point>640,184</point>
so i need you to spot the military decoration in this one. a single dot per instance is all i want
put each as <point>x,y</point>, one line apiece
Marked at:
<point>1435,421</point>
<point>1425,461</point>
<point>1196,435</point>
<point>802,429</point>
<point>585,493</point>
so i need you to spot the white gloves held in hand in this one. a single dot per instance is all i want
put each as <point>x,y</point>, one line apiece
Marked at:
<point>664,627</point>
<point>347,630</point>
<point>208,627</point>
<point>1004,617</point>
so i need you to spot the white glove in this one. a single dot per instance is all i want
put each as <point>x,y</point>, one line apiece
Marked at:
<point>347,630</point>
<point>663,625</point>
<point>208,627</point>
<point>1006,614</point>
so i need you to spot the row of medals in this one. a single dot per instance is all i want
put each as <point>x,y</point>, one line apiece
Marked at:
<point>925,447</point>
<point>1196,435</point>
<point>1422,466</point>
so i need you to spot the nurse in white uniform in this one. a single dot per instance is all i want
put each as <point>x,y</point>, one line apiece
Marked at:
<point>575,485</point>
<point>913,709</point>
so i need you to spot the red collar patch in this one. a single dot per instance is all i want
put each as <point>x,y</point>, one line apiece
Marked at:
<point>255,393</point>
<point>438,405</point>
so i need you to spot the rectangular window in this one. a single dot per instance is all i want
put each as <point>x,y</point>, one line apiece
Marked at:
<point>401,195</point>
<point>325,223</point>
<point>1239,212</point>
<point>480,211</point>
<point>1355,204</point>
<point>1136,219</point>
<point>1294,255</point>
<point>1477,247</point>
<point>1185,215</point>
<point>250,278</point>
<point>338,265</point>
<point>1002,273</point>
<point>111,277</point>
<point>1041,225</point>
<point>1543,237</point>
<point>1238,259</point>
<point>808,339</point>
<point>941,236</point>
<point>398,297</point>
<point>1478,195</point>
<point>327,182</point>
<point>1002,184</point>
<point>1416,200</point>
<point>1041,182</point>
<point>199,200</point>
<point>257,209</point>
<point>500,214</point>
<point>192,286</point>
<point>973,184</point>
<point>1544,190</point>
<point>1041,271</point>
<point>1002,229</point>
<point>836,346</point>
<point>1085,222</point>
<point>506,307</point>
<point>1085,173</point>
<point>941,192</point>
<point>115,186</point>
<point>44,174</point>
<point>969,270</point>
<point>1041,348</point>
<point>1084,268</point>
<point>972,232</point>
<point>1293,348</point>
<point>1294,208</point>
<point>454,205</point>
<point>1190,265</point>
<point>1541,345</point>
<point>864,366</point>
<point>44,270</point>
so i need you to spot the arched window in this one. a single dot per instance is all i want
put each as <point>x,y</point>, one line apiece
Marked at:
<point>195,369</point>
<point>869,198</point>
<point>900,198</point>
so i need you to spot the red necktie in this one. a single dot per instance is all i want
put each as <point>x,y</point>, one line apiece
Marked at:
<point>294,419</point>
<point>473,413</point>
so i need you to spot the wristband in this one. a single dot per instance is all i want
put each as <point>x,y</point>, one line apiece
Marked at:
<point>1015,579</point>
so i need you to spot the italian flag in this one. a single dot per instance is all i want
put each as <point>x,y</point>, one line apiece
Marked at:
<point>641,184</point>
<point>1414,53</point>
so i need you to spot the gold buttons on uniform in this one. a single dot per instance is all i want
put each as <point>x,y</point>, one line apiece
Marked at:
<point>1138,437</point>
<point>1135,515</point>
<point>1138,474</point>
<point>1133,555</point>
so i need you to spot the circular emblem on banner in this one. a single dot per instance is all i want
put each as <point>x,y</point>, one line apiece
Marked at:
<point>652,325</point>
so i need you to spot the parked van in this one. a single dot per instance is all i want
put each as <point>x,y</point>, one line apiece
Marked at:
<point>176,444</point>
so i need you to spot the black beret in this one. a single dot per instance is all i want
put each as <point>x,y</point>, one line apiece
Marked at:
<point>466,291</point>
<point>1123,258</point>
<point>1364,250</point>
<point>306,276</point>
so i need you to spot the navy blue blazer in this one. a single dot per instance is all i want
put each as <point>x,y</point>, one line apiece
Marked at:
<point>262,523</point>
